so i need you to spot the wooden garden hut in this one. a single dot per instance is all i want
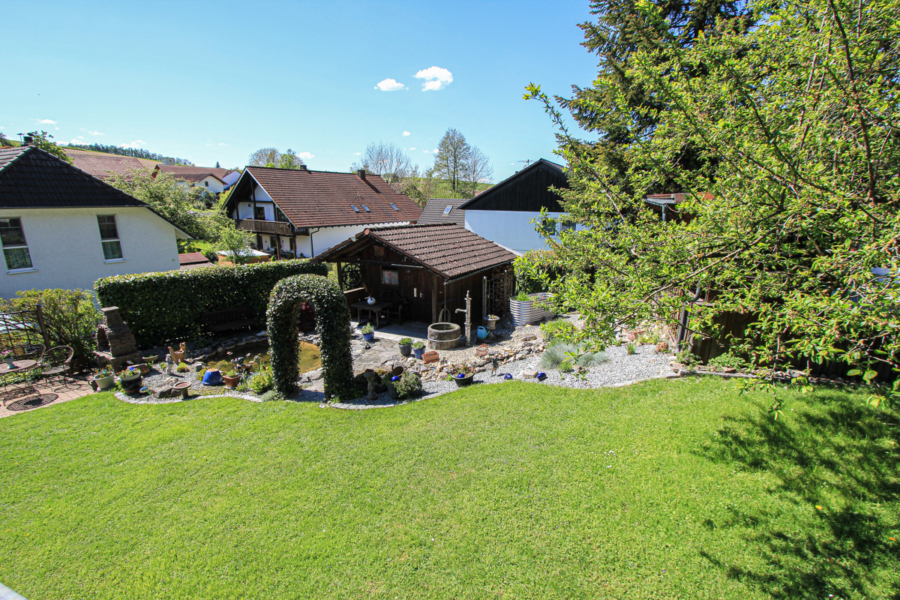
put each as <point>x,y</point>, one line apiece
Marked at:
<point>426,268</point>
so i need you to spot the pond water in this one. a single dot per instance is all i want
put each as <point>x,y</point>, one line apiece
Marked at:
<point>310,359</point>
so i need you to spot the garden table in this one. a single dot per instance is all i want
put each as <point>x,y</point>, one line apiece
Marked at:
<point>371,308</point>
<point>19,367</point>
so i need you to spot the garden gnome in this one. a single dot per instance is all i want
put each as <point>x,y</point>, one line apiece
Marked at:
<point>169,364</point>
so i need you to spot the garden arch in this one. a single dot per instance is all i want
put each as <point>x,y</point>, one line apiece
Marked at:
<point>332,326</point>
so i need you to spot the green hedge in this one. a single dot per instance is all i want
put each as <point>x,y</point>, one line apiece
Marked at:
<point>166,307</point>
<point>332,325</point>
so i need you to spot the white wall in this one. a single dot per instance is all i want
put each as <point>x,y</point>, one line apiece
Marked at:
<point>215,186</point>
<point>245,210</point>
<point>232,177</point>
<point>65,249</point>
<point>328,237</point>
<point>512,229</point>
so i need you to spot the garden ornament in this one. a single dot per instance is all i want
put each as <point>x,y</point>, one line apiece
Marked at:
<point>372,377</point>
<point>169,364</point>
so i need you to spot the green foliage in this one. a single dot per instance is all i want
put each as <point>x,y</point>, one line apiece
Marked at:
<point>419,345</point>
<point>332,326</point>
<point>536,270</point>
<point>271,157</point>
<point>272,396</point>
<point>367,329</point>
<point>405,342</point>
<point>782,137</point>
<point>686,357</point>
<point>462,164</point>
<point>631,348</point>
<point>729,360</point>
<point>523,296</point>
<point>565,367</point>
<point>42,141</point>
<point>70,316</point>
<point>262,381</point>
<point>136,152</point>
<point>564,357</point>
<point>558,329</point>
<point>409,386</point>
<point>161,307</point>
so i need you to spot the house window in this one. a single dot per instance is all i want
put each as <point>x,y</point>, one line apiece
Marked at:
<point>353,206</point>
<point>548,226</point>
<point>567,226</point>
<point>109,237</point>
<point>390,277</point>
<point>366,208</point>
<point>448,209</point>
<point>206,183</point>
<point>259,213</point>
<point>394,206</point>
<point>379,251</point>
<point>14,247</point>
<point>280,216</point>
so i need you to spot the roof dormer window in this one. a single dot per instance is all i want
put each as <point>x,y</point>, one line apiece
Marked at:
<point>394,206</point>
<point>366,208</point>
<point>448,209</point>
<point>353,206</point>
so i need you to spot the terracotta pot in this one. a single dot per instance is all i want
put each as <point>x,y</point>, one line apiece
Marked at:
<point>231,382</point>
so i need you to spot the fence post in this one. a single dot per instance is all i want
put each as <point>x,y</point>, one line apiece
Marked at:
<point>39,314</point>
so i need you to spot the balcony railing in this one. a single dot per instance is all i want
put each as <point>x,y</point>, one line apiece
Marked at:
<point>270,227</point>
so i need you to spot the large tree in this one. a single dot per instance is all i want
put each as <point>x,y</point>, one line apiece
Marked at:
<point>271,157</point>
<point>462,164</point>
<point>41,139</point>
<point>790,203</point>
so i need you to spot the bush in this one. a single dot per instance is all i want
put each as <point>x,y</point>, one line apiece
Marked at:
<point>409,386</point>
<point>272,396</point>
<point>70,316</point>
<point>262,382</point>
<point>405,342</point>
<point>163,307</point>
<point>729,360</point>
<point>558,329</point>
<point>565,357</point>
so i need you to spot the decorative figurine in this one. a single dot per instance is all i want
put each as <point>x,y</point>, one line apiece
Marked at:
<point>169,364</point>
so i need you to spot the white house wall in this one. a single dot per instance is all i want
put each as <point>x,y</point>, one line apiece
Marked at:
<point>66,252</point>
<point>328,237</point>
<point>245,210</point>
<point>213,185</point>
<point>512,229</point>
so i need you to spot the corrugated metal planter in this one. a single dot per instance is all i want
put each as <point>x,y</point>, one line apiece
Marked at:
<point>525,312</point>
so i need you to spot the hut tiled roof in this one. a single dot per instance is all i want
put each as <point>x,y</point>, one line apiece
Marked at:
<point>326,199</point>
<point>447,249</point>
<point>33,178</point>
<point>434,211</point>
<point>192,260</point>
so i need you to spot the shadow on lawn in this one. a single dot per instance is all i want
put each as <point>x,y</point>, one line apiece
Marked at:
<point>840,456</point>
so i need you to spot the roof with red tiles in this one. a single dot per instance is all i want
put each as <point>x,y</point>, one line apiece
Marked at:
<point>193,173</point>
<point>446,249</point>
<point>192,258</point>
<point>327,199</point>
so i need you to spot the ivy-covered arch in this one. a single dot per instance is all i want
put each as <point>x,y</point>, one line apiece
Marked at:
<point>332,326</point>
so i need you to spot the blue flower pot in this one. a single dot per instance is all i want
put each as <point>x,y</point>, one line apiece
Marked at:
<point>419,352</point>
<point>369,336</point>
<point>212,377</point>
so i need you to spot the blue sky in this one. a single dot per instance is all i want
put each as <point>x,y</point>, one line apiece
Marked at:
<point>215,81</point>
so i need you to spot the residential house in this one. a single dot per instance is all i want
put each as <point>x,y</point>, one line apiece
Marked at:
<point>107,166</point>
<point>63,228</point>
<point>504,212</point>
<point>299,212</point>
<point>428,268</point>
<point>212,179</point>
<point>443,210</point>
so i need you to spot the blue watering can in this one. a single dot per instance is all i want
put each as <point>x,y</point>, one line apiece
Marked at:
<point>482,333</point>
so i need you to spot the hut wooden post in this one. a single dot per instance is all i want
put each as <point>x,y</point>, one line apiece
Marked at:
<point>340,274</point>
<point>434,302</point>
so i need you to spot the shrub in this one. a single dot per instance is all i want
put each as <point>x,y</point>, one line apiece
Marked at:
<point>522,296</point>
<point>556,354</point>
<point>419,345</point>
<point>161,307</point>
<point>70,316</point>
<point>262,382</point>
<point>631,348</point>
<point>565,367</point>
<point>565,357</point>
<point>558,329</point>
<point>687,358</point>
<point>332,326</point>
<point>729,360</point>
<point>409,386</point>
<point>368,329</point>
<point>272,396</point>
<point>405,342</point>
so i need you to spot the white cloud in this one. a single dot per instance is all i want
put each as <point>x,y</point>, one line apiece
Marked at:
<point>306,155</point>
<point>406,133</point>
<point>357,154</point>
<point>413,148</point>
<point>56,128</point>
<point>435,151</point>
<point>92,132</point>
<point>134,144</point>
<point>78,140</point>
<point>389,85</point>
<point>46,121</point>
<point>222,144</point>
<point>435,78</point>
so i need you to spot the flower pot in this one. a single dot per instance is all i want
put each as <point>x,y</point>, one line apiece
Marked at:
<point>131,382</point>
<point>463,381</point>
<point>491,323</point>
<point>212,377</point>
<point>524,312</point>
<point>406,350</point>
<point>104,383</point>
<point>231,382</point>
<point>418,352</point>
<point>369,336</point>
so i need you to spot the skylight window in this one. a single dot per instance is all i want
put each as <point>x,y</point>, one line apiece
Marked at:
<point>366,208</point>
<point>353,206</point>
<point>448,209</point>
<point>394,206</point>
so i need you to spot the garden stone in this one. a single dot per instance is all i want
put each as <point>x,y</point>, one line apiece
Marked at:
<point>529,374</point>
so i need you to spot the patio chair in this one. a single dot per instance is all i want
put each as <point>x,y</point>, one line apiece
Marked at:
<point>395,310</point>
<point>55,363</point>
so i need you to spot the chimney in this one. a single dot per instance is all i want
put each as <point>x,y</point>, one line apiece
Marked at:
<point>27,140</point>
<point>362,174</point>
<point>303,168</point>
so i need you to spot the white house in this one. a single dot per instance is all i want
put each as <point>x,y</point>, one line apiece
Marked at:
<point>296,212</point>
<point>63,228</point>
<point>504,212</point>
<point>212,179</point>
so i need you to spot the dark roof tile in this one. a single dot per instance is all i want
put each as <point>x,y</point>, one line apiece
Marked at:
<point>433,213</point>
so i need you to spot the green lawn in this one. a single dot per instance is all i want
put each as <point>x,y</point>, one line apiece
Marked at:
<point>669,489</point>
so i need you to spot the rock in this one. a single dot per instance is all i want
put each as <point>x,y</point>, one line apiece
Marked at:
<point>529,337</point>
<point>315,375</point>
<point>676,365</point>
<point>662,347</point>
<point>530,374</point>
<point>197,367</point>
<point>729,370</point>
<point>430,357</point>
<point>164,391</point>
<point>528,344</point>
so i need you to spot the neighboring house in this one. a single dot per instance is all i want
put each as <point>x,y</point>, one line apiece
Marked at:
<point>63,228</point>
<point>192,260</point>
<point>211,179</point>
<point>443,210</point>
<point>504,212</point>
<point>427,268</point>
<point>297,212</point>
<point>106,166</point>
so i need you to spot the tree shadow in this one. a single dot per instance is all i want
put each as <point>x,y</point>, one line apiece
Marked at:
<point>841,450</point>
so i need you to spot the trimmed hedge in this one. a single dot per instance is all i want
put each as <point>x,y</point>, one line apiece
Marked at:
<point>169,306</point>
<point>332,326</point>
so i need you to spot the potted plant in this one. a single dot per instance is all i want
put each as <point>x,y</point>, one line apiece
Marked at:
<point>523,309</point>
<point>7,356</point>
<point>491,321</point>
<point>130,378</point>
<point>405,347</point>
<point>463,378</point>
<point>231,379</point>
<point>368,332</point>
<point>419,349</point>
<point>104,379</point>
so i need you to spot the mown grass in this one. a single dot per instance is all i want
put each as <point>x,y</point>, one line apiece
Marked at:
<point>670,489</point>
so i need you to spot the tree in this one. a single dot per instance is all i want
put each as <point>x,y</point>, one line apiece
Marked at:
<point>478,170</point>
<point>388,161</point>
<point>791,204</point>
<point>42,141</point>
<point>271,157</point>
<point>236,241</point>
<point>4,142</point>
<point>452,159</point>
